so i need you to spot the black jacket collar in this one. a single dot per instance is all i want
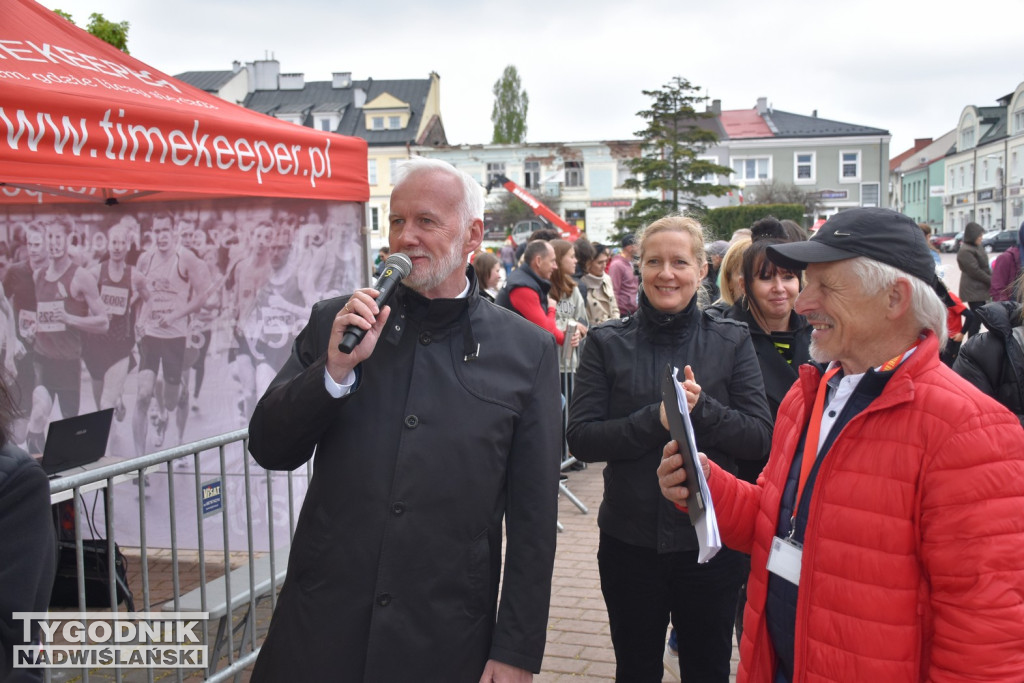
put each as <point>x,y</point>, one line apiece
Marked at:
<point>660,326</point>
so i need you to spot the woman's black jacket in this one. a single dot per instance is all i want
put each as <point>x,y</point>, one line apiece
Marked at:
<point>778,375</point>
<point>614,416</point>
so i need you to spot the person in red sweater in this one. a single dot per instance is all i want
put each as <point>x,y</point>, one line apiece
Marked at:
<point>526,291</point>
<point>885,532</point>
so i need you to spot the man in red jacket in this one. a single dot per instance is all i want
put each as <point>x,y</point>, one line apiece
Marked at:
<point>886,530</point>
<point>526,291</point>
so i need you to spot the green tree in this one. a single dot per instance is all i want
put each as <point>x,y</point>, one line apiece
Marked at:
<point>775,191</point>
<point>507,210</point>
<point>669,163</point>
<point>722,222</point>
<point>510,106</point>
<point>113,32</point>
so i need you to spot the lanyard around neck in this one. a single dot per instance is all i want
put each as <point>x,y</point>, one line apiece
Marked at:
<point>811,442</point>
<point>814,427</point>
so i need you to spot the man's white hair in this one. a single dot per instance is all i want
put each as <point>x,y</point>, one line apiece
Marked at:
<point>472,205</point>
<point>927,307</point>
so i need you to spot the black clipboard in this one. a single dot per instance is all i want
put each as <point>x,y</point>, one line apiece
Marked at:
<point>681,431</point>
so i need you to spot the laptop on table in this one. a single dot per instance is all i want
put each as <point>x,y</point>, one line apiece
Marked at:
<point>76,441</point>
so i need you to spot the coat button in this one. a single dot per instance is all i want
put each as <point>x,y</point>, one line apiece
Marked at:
<point>398,509</point>
<point>384,599</point>
<point>425,338</point>
<point>411,421</point>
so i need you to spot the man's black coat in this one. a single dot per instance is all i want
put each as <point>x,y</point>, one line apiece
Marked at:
<point>395,565</point>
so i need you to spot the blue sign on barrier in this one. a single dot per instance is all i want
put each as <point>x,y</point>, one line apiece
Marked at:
<point>213,497</point>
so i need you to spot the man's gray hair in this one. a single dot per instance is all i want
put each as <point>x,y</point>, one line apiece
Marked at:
<point>927,307</point>
<point>472,205</point>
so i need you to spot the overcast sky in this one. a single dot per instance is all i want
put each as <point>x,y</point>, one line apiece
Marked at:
<point>905,66</point>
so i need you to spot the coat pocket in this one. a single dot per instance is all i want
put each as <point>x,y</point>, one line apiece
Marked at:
<point>478,575</point>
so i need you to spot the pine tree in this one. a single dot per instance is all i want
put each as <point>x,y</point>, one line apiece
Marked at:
<point>510,106</point>
<point>669,163</point>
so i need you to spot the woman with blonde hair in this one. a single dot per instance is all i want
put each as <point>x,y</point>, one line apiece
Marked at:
<point>648,549</point>
<point>730,274</point>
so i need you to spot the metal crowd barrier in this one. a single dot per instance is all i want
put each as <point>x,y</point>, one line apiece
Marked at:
<point>569,356</point>
<point>228,598</point>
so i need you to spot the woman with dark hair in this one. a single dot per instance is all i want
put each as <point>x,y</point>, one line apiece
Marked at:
<point>584,254</point>
<point>27,543</point>
<point>794,231</point>
<point>488,273</point>
<point>781,336</point>
<point>570,309</point>
<point>975,272</point>
<point>648,549</point>
<point>600,298</point>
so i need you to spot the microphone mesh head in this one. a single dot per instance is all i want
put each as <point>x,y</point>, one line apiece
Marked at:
<point>399,262</point>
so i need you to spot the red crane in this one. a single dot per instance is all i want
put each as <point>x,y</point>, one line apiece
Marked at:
<point>547,216</point>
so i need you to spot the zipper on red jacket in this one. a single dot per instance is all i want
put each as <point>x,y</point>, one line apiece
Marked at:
<point>802,606</point>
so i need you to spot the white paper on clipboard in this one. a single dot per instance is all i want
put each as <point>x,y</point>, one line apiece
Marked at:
<point>706,525</point>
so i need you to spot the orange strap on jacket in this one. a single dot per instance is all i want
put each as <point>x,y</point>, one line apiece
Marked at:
<point>813,434</point>
<point>814,427</point>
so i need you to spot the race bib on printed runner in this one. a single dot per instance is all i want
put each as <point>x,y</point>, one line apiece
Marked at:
<point>49,316</point>
<point>26,323</point>
<point>115,299</point>
<point>277,327</point>
<point>157,309</point>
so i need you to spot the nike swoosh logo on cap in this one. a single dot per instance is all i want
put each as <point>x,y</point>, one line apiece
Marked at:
<point>841,234</point>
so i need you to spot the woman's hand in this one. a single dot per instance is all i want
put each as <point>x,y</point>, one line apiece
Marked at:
<point>577,336</point>
<point>691,387</point>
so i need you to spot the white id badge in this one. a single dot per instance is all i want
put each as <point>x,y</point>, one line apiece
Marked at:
<point>784,559</point>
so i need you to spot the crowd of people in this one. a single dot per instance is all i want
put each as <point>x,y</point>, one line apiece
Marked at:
<point>124,307</point>
<point>993,360</point>
<point>726,315</point>
<point>869,497</point>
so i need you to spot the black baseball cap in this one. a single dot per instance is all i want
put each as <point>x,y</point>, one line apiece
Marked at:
<point>879,234</point>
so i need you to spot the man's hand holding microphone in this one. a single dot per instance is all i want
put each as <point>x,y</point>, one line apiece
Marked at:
<point>359,323</point>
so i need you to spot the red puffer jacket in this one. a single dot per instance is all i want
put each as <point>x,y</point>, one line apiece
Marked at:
<point>913,562</point>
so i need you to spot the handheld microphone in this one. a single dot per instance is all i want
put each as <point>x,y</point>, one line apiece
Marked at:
<point>396,267</point>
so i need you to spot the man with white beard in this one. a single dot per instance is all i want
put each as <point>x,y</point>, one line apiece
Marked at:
<point>438,428</point>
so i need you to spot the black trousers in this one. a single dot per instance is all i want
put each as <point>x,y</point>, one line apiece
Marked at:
<point>643,590</point>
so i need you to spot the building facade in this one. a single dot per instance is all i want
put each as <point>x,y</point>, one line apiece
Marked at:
<point>918,181</point>
<point>984,179</point>
<point>840,165</point>
<point>837,165</point>
<point>580,181</point>
<point>397,118</point>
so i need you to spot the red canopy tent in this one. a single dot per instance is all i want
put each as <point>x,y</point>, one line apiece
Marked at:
<point>81,120</point>
<point>91,135</point>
